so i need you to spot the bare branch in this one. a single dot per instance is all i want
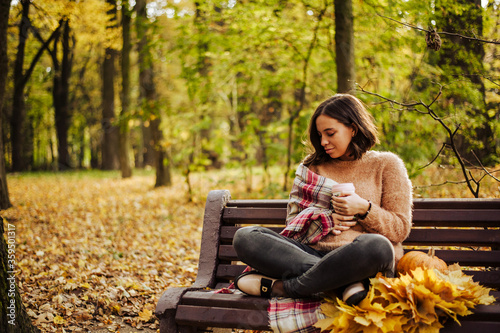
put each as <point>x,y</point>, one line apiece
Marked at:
<point>435,157</point>
<point>472,184</point>
<point>406,105</point>
<point>495,83</point>
<point>444,183</point>
<point>405,24</point>
<point>483,168</point>
<point>437,96</point>
<point>442,32</point>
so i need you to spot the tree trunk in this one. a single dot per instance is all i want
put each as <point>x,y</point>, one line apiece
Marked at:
<point>464,59</point>
<point>148,150</point>
<point>4,20</point>
<point>125,167</point>
<point>60,95</point>
<point>147,90</point>
<point>162,158</point>
<point>18,120</point>
<point>13,316</point>
<point>149,98</point>
<point>110,143</point>
<point>344,46</point>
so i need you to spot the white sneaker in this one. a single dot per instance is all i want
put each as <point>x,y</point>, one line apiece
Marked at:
<point>354,293</point>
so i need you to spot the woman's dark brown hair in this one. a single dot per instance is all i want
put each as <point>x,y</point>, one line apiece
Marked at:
<point>351,112</point>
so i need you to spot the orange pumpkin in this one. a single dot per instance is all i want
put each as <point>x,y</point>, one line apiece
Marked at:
<point>414,259</point>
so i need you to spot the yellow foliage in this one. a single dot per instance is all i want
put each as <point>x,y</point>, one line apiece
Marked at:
<point>145,315</point>
<point>418,302</point>
<point>58,320</point>
<point>90,20</point>
<point>112,259</point>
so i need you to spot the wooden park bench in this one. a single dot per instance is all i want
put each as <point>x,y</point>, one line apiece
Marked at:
<point>466,231</point>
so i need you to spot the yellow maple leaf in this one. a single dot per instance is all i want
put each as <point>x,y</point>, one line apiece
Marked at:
<point>58,320</point>
<point>329,309</point>
<point>326,324</point>
<point>85,285</point>
<point>145,315</point>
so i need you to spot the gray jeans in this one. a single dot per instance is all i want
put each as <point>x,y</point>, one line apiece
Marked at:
<point>306,271</point>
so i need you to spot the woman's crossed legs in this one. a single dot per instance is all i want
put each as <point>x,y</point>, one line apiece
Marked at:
<point>305,271</point>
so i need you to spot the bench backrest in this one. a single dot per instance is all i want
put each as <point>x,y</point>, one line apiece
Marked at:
<point>464,231</point>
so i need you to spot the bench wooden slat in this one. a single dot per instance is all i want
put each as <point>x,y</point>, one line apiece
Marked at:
<point>239,215</point>
<point>263,203</point>
<point>418,203</point>
<point>457,237</point>
<point>487,278</point>
<point>463,257</point>
<point>242,302</point>
<point>238,300</point>
<point>448,237</point>
<point>203,316</point>
<point>468,326</point>
<point>457,218</point>
<point>227,232</point>
<point>228,272</point>
<point>258,319</point>
<point>455,203</point>
<point>438,217</point>
<point>470,258</point>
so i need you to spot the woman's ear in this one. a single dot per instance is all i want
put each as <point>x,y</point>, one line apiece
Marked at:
<point>354,130</point>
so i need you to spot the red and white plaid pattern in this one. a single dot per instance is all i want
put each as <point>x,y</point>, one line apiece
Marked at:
<point>311,195</point>
<point>294,315</point>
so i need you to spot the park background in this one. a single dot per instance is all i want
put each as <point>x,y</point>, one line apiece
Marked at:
<point>118,117</point>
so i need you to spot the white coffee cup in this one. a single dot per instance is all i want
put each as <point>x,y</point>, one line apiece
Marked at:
<point>344,188</point>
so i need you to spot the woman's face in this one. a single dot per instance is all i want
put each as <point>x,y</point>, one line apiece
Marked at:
<point>335,137</point>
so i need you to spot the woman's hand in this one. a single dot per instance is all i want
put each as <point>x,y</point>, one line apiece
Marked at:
<point>342,223</point>
<point>350,205</point>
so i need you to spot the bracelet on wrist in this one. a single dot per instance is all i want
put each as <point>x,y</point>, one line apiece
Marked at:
<point>362,217</point>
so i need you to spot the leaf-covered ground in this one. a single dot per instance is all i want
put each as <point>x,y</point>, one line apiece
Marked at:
<point>95,251</point>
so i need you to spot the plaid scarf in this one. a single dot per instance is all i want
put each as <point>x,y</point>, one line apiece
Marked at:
<point>309,209</point>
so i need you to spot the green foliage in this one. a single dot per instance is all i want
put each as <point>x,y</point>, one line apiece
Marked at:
<point>228,75</point>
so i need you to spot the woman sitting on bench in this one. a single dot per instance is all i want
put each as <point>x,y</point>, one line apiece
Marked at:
<point>333,241</point>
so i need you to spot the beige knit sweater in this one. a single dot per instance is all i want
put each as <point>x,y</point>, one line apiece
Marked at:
<point>380,177</point>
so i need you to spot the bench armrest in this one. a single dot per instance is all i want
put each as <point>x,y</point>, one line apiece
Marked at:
<point>210,238</point>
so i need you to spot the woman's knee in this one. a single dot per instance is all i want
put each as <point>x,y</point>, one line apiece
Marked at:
<point>244,239</point>
<point>378,248</point>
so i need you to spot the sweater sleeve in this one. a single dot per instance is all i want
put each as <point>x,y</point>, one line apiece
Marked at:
<point>392,218</point>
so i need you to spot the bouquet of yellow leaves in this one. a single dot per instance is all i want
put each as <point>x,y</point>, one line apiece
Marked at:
<point>417,302</point>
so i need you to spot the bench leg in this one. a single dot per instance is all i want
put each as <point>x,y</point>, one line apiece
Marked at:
<point>167,322</point>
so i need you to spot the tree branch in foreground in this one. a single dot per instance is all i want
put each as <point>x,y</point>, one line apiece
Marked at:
<point>471,182</point>
<point>441,32</point>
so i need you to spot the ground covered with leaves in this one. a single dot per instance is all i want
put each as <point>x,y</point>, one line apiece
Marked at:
<point>96,252</point>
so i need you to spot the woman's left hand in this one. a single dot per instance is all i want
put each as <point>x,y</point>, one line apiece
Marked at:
<point>351,204</point>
